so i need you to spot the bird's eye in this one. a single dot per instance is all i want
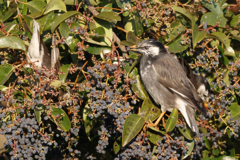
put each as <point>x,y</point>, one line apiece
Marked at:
<point>146,47</point>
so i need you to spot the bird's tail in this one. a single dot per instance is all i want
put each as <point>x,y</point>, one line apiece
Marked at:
<point>189,115</point>
<point>192,122</point>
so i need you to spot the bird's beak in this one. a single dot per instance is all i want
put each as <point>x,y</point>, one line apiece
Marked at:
<point>133,48</point>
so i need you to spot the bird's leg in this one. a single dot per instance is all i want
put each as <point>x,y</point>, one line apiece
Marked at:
<point>163,121</point>
<point>157,121</point>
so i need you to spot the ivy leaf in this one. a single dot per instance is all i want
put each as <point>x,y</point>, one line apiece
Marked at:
<point>133,124</point>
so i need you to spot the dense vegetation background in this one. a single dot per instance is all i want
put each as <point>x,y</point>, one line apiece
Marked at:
<point>107,109</point>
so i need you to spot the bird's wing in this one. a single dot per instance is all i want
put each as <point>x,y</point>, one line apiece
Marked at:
<point>172,76</point>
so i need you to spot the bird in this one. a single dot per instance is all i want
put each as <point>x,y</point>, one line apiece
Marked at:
<point>200,83</point>
<point>167,83</point>
<point>37,50</point>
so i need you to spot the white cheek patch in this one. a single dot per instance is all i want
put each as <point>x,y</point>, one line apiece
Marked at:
<point>154,51</point>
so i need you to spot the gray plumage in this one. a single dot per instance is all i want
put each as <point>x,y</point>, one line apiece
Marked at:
<point>166,81</point>
<point>200,83</point>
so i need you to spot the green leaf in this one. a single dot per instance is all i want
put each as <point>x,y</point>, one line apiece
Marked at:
<point>11,27</point>
<point>232,152</point>
<point>186,133</point>
<point>207,144</point>
<point>149,111</point>
<point>176,46</point>
<point>55,5</point>
<point>190,145</point>
<point>158,130</point>
<point>133,55</point>
<point>97,50</point>
<point>61,18</point>
<point>235,111</point>
<point>108,32</point>
<point>12,42</point>
<point>38,111</point>
<point>153,136</point>
<point>109,16</point>
<point>221,37</point>
<point>133,124</point>
<point>70,2</point>
<point>197,35</point>
<point>63,121</point>
<point>11,10</point>
<point>22,7</point>
<point>214,6</point>
<point>124,4</point>
<point>56,84</point>
<point>226,79</point>
<point>132,37</point>
<point>107,8</point>
<point>229,52</point>
<point>216,152</point>
<point>225,40</point>
<point>3,88</point>
<point>128,43</point>
<point>172,120</point>
<point>186,13</point>
<point>133,24</point>
<point>117,145</point>
<point>205,154</point>
<point>94,2</point>
<point>43,21</point>
<point>64,69</point>
<point>71,39</point>
<point>133,73</point>
<point>36,6</point>
<point>88,123</point>
<point>138,87</point>
<point>212,19</point>
<point>235,34</point>
<point>176,29</point>
<point>6,71</point>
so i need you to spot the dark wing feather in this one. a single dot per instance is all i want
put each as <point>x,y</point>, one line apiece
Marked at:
<point>171,75</point>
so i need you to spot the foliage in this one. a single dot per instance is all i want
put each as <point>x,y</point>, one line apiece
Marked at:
<point>107,110</point>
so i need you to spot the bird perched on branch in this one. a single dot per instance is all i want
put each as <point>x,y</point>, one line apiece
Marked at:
<point>167,83</point>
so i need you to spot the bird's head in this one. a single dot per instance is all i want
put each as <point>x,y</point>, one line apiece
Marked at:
<point>149,47</point>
